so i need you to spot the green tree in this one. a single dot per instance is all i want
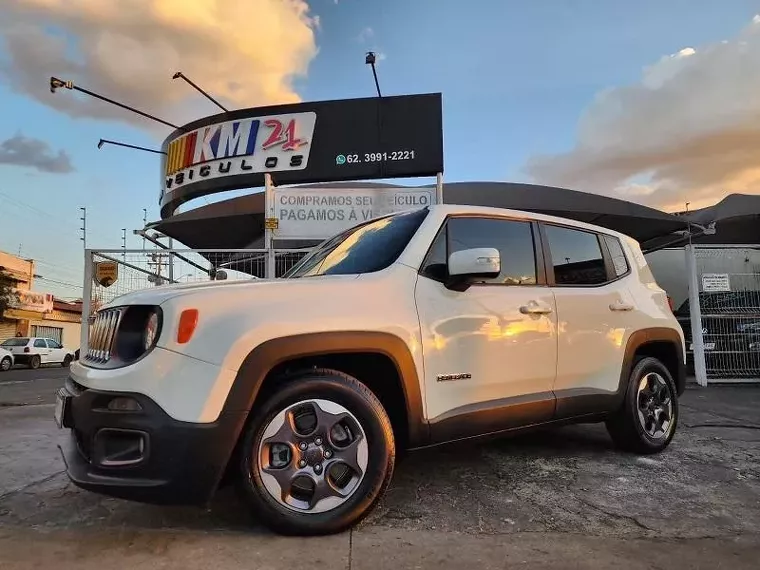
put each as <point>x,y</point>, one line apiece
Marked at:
<point>7,293</point>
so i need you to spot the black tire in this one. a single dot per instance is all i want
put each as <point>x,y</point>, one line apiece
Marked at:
<point>5,364</point>
<point>34,362</point>
<point>368,411</point>
<point>66,361</point>
<point>625,427</point>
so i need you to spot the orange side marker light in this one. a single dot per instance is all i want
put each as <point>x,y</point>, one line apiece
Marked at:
<point>188,320</point>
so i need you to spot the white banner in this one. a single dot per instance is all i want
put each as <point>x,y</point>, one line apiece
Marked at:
<point>304,213</point>
<point>716,282</point>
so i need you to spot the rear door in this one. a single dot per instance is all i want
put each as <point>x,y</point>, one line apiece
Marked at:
<point>596,314</point>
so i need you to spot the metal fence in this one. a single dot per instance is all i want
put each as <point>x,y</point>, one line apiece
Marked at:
<point>143,269</point>
<point>729,301</point>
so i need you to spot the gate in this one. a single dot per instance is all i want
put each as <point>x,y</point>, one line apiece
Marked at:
<point>729,301</point>
<point>145,268</point>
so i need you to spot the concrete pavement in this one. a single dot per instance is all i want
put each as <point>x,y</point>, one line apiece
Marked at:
<point>561,499</point>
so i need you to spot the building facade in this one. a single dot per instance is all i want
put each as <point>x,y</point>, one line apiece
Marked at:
<point>33,313</point>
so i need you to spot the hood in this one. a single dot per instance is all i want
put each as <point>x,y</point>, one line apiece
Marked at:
<point>161,294</point>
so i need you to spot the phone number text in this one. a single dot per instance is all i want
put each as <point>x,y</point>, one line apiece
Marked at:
<point>380,156</point>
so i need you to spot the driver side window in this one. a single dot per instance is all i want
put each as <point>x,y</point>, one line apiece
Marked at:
<point>513,239</point>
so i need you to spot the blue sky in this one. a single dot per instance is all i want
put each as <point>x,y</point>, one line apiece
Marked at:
<point>515,77</point>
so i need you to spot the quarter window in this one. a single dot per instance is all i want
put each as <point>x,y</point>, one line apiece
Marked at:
<point>619,262</point>
<point>513,239</point>
<point>576,256</point>
<point>40,343</point>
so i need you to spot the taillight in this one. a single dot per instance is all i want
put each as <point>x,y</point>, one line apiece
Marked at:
<point>26,349</point>
<point>670,303</point>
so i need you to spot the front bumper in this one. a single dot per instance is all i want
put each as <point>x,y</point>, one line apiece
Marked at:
<point>144,455</point>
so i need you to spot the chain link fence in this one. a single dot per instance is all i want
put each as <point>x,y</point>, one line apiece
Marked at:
<point>729,300</point>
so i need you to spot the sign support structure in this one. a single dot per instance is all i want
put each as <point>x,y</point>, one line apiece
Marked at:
<point>268,230</point>
<point>439,188</point>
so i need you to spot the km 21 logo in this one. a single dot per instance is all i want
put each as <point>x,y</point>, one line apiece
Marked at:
<point>246,146</point>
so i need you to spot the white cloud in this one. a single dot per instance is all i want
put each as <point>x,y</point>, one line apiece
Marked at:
<point>688,131</point>
<point>366,34</point>
<point>244,53</point>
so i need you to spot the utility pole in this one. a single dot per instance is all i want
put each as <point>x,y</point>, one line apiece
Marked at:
<point>157,261</point>
<point>84,227</point>
<point>124,244</point>
<point>145,223</point>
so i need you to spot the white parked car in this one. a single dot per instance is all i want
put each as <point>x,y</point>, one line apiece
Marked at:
<point>6,360</point>
<point>414,329</point>
<point>36,351</point>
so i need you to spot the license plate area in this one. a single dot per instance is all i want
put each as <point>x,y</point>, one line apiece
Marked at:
<point>62,405</point>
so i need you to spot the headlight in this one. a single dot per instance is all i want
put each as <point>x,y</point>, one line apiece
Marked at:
<point>151,330</point>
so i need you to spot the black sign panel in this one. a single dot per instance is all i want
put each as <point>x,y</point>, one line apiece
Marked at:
<point>353,139</point>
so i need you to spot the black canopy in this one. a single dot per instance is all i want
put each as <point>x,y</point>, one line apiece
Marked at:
<point>239,222</point>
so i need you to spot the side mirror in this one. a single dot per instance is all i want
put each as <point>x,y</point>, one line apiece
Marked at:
<point>474,264</point>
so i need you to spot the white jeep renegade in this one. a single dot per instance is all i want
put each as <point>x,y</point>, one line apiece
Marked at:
<point>410,330</point>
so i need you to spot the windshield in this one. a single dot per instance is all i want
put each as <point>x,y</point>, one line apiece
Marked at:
<point>365,248</point>
<point>15,342</point>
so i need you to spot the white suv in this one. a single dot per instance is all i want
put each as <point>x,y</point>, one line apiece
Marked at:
<point>410,330</point>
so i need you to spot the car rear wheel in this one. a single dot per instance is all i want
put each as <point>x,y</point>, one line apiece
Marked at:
<point>317,455</point>
<point>647,420</point>
<point>66,361</point>
<point>34,362</point>
<point>5,364</point>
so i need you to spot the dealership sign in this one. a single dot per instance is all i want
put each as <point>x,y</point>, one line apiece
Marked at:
<point>354,139</point>
<point>303,213</point>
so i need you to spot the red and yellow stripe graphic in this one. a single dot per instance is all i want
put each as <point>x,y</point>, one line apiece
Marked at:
<point>180,153</point>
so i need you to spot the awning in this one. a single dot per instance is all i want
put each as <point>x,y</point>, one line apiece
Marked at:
<point>239,222</point>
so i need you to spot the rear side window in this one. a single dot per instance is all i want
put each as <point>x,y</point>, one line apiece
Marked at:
<point>40,343</point>
<point>619,261</point>
<point>576,256</point>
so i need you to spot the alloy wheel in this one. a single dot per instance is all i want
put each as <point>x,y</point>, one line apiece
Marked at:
<point>654,404</point>
<point>313,456</point>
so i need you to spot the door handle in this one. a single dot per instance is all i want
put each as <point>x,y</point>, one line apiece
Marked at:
<point>620,306</point>
<point>534,308</point>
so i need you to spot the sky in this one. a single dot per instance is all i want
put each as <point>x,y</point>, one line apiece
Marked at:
<point>654,101</point>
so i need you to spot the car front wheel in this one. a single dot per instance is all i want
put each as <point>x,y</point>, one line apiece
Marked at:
<point>647,420</point>
<point>317,455</point>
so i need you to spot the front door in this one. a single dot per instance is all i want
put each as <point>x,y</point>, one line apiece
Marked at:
<point>489,351</point>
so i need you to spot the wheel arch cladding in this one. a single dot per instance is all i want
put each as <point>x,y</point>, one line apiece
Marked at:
<point>368,356</point>
<point>661,343</point>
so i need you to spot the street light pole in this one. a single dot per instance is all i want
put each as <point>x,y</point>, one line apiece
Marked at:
<point>101,142</point>
<point>56,83</point>
<point>180,75</point>
<point>370,60</point>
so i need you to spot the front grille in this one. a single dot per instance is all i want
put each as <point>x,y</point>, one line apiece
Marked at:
<point>102,335</point>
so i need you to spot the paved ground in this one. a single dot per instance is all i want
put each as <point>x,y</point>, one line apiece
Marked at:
<point>563,499</point>
<point>22,386</point>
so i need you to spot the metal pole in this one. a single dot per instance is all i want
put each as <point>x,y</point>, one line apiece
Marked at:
<point>269,209</point>
<point>125,145</point>
<point>84,227</point>
<point>171,261</point>
<point>84,334</point>
<point>181,75</point>
<point>145,223</point>
<point>56,83</point>
<point>439,188</point>
<point>124,243</point>
<point>697,339</point>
